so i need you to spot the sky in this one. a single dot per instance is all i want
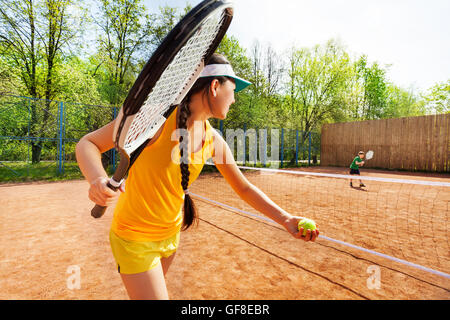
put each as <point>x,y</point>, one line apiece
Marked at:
<point>411,38</point>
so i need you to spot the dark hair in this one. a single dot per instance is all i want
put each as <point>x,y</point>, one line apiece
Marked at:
<point>190,215</point>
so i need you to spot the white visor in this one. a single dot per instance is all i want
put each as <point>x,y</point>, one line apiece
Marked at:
<point>224,70</point>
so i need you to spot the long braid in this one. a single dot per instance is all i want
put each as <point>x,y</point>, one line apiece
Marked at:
<point>190,212</point>
<point>202,84</point>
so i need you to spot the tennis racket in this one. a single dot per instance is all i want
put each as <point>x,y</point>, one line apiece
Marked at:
<point>369,155</point>
<point>164,81</point>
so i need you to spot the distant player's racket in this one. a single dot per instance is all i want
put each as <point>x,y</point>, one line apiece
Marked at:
<point>369,155</point>
<point>166,78</point>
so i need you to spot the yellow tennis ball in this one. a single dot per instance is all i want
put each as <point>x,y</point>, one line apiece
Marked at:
<point>306,224</point>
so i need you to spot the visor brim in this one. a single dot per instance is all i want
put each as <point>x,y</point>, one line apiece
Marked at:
<point>240,83</point>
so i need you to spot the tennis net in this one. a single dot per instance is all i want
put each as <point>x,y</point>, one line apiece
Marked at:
<point>402,219</point>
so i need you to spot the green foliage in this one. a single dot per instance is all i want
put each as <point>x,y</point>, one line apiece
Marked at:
<point>128,37</point>
<point>124,28</point>
<point>438,98</point>
<point>316,79</point>
<point>402,103</point>
<point>74,83</point>
<point>374,88</point>
<point>41,56</point>
<point>239,113</point>
<point>19,42</point>
<point>9,79</point>
<point>14,116</point>
<point>231,49</point>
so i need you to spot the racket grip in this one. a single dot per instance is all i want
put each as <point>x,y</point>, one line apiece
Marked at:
<point>99,210</point>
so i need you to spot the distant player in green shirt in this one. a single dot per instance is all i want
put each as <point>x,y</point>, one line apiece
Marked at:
<point>354,167</point>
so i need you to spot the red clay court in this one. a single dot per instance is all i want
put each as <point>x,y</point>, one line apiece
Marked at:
<point>46,228</point>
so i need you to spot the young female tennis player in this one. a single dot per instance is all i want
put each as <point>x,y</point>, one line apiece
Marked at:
<point>145,230</point>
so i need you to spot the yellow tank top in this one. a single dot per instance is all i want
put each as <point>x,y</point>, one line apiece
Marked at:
<point>150,209</point>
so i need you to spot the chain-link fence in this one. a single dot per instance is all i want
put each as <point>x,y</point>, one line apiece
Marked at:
<point>38,136</point>
<point>279,147</point>
<point>38,139</point>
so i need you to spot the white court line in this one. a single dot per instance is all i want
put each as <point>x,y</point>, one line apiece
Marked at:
<point>417,266</point>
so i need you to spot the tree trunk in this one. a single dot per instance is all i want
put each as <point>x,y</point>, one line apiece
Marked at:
<point>36,150</point>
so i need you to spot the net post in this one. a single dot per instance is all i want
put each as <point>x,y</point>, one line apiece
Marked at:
<point>63,136</point>
<point>28,134</point>
<point>296,147</point>
<point>113,157</point>
<point>282,147</point>
<point>221,126</point>
<point>309,148</point>
<point>60,134</point>
<point>245,142</point>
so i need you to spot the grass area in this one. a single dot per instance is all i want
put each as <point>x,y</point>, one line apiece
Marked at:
<point>43,171</point>
<point>47,171</point>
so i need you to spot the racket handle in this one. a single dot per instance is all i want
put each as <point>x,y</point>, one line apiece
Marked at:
<point>99,210</point>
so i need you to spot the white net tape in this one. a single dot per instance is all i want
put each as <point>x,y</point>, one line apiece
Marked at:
<point>148,120</point>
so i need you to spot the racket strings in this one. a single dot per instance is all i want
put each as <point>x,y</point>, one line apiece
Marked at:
<point>172,81</point>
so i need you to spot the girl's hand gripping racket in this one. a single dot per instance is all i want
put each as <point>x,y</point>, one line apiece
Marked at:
<point>166,78</point>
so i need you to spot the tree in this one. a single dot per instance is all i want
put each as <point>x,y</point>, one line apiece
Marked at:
<point>83,108</point>
<point>123,32</point>
<point>374,84</point>
<point>402,103</point>
<point>9,79</point>
<point>239,114</point>
<point>438,98</point>
<point>60,29</point>
<point>164,22</point>
<point>18,40</point>
<point>32,38</point>
<point>129,36</point>
<point>314,86</point>
<point>76,83</point>
<point>273,70</point>
<point>236,55</point>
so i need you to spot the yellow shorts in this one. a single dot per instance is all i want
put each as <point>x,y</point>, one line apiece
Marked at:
<point>135,257</point>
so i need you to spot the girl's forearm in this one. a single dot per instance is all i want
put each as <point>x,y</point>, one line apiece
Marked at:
<point>89,160</point>
<point>261,202</point>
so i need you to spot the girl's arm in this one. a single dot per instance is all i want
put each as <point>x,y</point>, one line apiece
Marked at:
<point>226,165</point>
<point>88,152</point>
